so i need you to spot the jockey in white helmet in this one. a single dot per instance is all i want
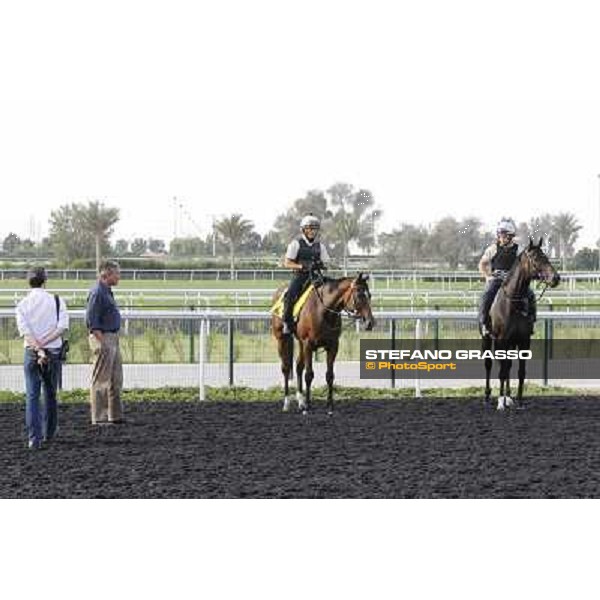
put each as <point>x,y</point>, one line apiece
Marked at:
<point>303,254</point>
<point>497,260</point>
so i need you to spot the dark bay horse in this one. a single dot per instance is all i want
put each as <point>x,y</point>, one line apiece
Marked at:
<point>319,325</point>
<point>510,325</point>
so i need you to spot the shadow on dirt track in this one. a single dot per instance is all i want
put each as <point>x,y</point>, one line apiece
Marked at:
<point>369,449</point>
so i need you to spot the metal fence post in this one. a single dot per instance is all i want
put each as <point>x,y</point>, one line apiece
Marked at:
<point>393,339</point>
<point>546,351</point>
<point>191,336</point>
<point>418,346</point>
<point>230,356</point>
<point>202,360</point>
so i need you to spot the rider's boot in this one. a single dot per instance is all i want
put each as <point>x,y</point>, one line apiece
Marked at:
<point>484,328</point>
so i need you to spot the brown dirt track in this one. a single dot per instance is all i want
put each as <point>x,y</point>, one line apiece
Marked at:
<point>441,448</point>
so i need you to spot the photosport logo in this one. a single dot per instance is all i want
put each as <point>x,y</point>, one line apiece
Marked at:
<point>465,359</point>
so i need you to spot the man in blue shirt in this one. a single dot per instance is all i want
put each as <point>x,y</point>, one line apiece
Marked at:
<point>103,320</point>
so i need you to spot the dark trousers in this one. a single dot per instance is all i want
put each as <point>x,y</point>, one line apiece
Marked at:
<point>489,293</point>
<point>297,285</point>
<point>41,421</point>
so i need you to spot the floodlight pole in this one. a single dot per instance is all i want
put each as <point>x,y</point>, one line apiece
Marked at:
<point>598,240</point>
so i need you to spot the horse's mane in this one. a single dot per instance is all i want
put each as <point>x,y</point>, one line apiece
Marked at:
<point>513,269</point>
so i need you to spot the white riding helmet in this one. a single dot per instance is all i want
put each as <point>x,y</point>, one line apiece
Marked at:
<point>506,225</point>
<point>310,221</point>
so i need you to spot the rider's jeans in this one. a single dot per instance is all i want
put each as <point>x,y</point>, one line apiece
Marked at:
<point>41,421</point>
<point>487,298</point>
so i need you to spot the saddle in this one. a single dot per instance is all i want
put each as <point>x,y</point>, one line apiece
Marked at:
<point>277,308</point>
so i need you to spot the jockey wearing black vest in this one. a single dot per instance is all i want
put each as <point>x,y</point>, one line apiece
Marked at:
<point>495,263</point>
<point>302,254</point>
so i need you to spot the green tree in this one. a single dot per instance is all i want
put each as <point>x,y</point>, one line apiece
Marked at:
<point>542,227</point>
<point>98,221</point>
<point>287,225</point>
<point>234,231</point>
<point>565,229</point>
<point>472,242</point>
<point>11,242</point>
<point>139,246</point>
<point>68,237</point>
<point>188,246</point>
<point>403,247</point>
<point>446,241</point>
<point>353,215</point>
<point>586,259</point>
<point>121,247</point>
<point>157,246</point>
<point>273,243</point>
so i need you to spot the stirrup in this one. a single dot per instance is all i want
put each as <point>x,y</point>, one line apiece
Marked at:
<point>287,328</point>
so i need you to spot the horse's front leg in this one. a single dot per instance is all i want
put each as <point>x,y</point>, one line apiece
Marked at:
<point>330,376</point>
<point>299,374</point>
<point>285,354</point>
<point>309,375</point>
<point>522,369</point>
<point>486,344</point>
<point>504,399</point>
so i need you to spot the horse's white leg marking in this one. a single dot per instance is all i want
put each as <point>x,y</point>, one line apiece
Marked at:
<point>301,400</point>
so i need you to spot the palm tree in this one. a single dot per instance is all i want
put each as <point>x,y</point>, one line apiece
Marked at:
<point>353,218</point>
<point>234,231</point>
<point>98,221</point>
<point>566,231</point>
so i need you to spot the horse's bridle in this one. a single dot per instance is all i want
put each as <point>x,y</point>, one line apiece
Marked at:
<point>316,278</point>
<point>541,282</point>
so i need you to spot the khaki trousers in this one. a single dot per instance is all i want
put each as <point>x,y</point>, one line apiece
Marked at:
<point>107,379</point>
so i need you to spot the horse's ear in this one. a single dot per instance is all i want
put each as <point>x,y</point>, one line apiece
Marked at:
<point>541,241</point>
<point>362,276</point>
<point>530,243</point>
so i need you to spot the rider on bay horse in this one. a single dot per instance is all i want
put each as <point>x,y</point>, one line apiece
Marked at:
<point>494,265</point>
<point>303,254</point>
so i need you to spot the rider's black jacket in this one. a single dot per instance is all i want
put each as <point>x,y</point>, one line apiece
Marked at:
<point>308,254</point>
<point>505,257</point>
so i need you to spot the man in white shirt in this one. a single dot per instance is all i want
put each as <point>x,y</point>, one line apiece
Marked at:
<point>41,319</point>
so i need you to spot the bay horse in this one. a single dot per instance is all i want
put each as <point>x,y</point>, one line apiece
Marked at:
<point>510,324</point>
<point>319,325</point>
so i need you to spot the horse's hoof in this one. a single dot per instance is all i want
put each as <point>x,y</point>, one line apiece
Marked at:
<point>330,413</point>
<point>286,404</point>
<point>509,401</point>
<point>305,412</point>
<point>501,403</point>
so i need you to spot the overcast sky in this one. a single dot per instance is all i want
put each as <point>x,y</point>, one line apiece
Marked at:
<point>463,108</point>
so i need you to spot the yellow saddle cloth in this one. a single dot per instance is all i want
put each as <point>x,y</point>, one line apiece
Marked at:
<point>277,308</point>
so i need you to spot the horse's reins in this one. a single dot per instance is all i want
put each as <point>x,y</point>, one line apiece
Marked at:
<point>344,312</point>
<point>514,297</point>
